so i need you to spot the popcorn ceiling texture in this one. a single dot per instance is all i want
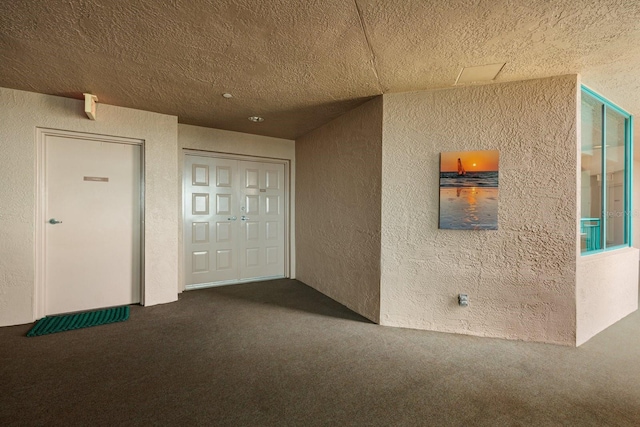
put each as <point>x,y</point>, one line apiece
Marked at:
<point>21,113</point>
<point>521,278</point>
<point>222,141</point>
<point>301,64</point>
<point>338,209</point>
<point>298,64</point>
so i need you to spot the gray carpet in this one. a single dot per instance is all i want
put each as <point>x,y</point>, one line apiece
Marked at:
<point>281,354</point>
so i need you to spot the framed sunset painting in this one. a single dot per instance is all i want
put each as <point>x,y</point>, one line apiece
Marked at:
<point>469,190</point>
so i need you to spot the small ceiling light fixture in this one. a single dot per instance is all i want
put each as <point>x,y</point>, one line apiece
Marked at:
<point>256,119</point>
<point>480,73</point>
<point>227,95</point>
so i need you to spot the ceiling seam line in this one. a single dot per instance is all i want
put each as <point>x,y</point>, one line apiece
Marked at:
<point>366,37</point>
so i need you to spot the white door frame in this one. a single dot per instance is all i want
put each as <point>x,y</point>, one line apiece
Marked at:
<point>39,299</point>
<point>287,207</point>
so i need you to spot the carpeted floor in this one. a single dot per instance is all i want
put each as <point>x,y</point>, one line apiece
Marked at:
<point>281,354</point>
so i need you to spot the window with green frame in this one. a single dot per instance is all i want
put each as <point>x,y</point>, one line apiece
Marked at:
<point>605,174</point>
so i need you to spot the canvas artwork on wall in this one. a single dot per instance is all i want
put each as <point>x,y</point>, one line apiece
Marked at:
<point>469,190</point>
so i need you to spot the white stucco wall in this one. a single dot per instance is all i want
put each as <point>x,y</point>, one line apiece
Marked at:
<point>607,283</point>
<point>635,219</point>
<point>222,141</point>
<point>520,278</point>
<point>338,209</point>
<point>22,112</point>
<point>606,290</point>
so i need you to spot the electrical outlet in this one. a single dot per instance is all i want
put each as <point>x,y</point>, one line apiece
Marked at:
<point>463,300</point>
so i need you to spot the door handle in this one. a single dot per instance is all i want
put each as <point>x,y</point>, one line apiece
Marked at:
<point>54,221</point>
<point>231,218</point>
<point>244,218</point>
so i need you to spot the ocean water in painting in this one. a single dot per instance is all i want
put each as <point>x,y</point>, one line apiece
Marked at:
<point>470,179</point>
<point>470,201</point>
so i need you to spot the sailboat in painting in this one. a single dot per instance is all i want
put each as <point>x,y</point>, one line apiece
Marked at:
<point>461,170</point>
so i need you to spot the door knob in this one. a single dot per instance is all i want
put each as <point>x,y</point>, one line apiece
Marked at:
<point>244,218</point>
<point>231,218</point>
<point>54,221</point>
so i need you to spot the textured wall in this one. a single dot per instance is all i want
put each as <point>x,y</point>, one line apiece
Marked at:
<point>607,283</point>
<point>338,209</point>
<point>635,219</point>
<point>606,290</point>
<point>21,113</point>
<point>520,278</point>
<point>222,141</point>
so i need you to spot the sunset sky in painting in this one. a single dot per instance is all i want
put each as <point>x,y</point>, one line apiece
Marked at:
<point>485,161</point>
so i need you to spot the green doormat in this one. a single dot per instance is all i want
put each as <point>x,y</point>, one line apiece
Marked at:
<point>53,324</point>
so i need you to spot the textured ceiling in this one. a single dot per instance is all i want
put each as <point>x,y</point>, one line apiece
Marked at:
<point>301,63</point>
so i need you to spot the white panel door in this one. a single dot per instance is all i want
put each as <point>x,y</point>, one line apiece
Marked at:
<point>209,233</point>
<point>92,234</point>
<point>234,221</point>
<point>262,219</point>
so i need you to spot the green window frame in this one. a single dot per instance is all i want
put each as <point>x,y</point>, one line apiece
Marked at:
<point>606,146</point>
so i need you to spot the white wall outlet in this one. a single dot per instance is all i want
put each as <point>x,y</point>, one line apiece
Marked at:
<point>463,300</point>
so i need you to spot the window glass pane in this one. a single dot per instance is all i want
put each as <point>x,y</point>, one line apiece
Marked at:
<point>591,175</point>
<point>615,170</point>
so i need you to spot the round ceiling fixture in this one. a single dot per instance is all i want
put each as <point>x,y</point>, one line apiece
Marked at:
<point>256,119</point>
<point>227,95</point>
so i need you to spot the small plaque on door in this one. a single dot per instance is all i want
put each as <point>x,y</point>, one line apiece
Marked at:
<point>263,190</point>
<point>96,179</point>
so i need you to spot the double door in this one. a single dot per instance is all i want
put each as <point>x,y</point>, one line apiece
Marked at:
<point>234,221</point>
